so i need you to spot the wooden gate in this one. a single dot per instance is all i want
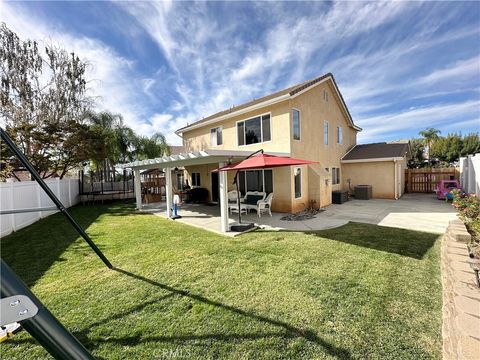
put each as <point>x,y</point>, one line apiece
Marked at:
<point>426,180</point>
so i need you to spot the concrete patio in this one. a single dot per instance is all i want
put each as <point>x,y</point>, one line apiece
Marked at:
<point>421,212</point>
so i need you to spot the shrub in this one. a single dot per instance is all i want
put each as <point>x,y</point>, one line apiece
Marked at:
<point>468,206</point>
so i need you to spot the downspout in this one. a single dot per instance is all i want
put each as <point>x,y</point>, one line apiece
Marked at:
<point>395,177</point>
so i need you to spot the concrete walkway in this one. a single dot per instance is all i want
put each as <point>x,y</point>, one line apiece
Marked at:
<point>421,212</point>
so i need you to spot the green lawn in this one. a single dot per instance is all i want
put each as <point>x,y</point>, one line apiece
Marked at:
<point>356,292</point>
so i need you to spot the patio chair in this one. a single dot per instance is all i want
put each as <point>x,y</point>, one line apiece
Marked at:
<point>252,198</point>
<point>232,196</point>
<point>265,205</point>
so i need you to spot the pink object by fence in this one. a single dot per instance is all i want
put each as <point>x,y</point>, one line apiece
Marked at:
<point>445,186</point>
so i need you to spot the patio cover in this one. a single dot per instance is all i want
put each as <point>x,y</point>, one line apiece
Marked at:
<point>219,157</point>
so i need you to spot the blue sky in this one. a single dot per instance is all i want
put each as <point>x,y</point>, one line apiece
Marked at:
<point>401,66</point>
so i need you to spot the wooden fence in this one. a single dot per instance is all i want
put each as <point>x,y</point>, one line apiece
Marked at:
<point>426,180</point>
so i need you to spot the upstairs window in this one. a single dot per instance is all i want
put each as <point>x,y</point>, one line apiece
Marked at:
<point>339,135</point>
<point>254,130</point>
<point>325,132</point>
<point>296,124</point>
<point>216,137</point>
<point>196,179</point>
<point>325,95</point>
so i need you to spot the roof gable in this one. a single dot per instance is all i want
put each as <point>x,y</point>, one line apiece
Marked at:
<point>267,100</point>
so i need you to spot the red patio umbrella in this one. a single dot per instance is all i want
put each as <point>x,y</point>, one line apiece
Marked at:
<point>265,161</point>
<point>259,160</point>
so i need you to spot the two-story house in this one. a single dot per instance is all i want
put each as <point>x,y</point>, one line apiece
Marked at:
<point>308,121</point>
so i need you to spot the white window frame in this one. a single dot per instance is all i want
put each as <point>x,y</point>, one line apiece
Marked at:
<point>326,139</point>
<point>339,135</point>
<point>299,169</point>
<point>263,178</point>
<point>261,129</point>
<point>336,176</point>
<point>299,125</point>
<point>216,136</point>
<point>193,176</point>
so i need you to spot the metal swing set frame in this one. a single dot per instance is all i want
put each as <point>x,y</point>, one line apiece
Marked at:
<point>19,304</point>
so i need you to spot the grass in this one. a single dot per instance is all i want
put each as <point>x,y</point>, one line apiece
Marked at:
<point>359,291</point>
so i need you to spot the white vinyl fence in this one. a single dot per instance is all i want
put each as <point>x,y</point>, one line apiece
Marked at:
<point>470,174</point>
<point>28,195</point>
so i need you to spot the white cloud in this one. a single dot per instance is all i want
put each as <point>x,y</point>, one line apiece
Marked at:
<point>210,65</point>
<point>215,70</point>
<point>459,71</point>
<point>380,126</point>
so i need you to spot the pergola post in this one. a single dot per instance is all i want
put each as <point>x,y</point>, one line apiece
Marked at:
<point>222,180</point>
<point>168,190</point>
<point>138,188</point>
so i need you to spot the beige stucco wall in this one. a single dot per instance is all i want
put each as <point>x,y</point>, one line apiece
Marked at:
<point>379,174</point>
<point>199,139</point>
<point>314,110</point>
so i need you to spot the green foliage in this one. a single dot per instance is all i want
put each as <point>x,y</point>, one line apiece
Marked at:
<point>417,149</point>
<point>151,147</point>
<point>112,142</point>
<point>41,102</point>
<point>471,144</point>
<point>468,206</point>
<point>449,149</point>
<point>429,135</point>
<point>49,116</point>
<point>445,150</point>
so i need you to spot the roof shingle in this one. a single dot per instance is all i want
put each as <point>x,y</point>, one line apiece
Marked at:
<point>377,151</point>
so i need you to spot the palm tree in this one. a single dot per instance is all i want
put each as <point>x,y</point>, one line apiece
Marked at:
<point>151,147</point>
<point>104,143</point>
<point>430,135</point>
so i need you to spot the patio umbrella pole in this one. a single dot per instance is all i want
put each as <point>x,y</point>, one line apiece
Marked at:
<point>235,180</point>
<point>23,159</point>
<point>43,326</point>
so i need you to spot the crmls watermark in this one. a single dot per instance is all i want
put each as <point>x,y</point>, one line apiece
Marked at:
<point>173,354</point>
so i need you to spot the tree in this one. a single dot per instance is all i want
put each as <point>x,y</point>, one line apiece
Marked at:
<point>42,99</point>
<point>111,142</point>
<point>450,148</point>
<point>430,135</point>
<point>418,154</point>
<point>151,147</point>
<point>471,144</point>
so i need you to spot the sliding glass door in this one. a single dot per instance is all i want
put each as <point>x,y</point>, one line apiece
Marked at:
<point>256,180</point>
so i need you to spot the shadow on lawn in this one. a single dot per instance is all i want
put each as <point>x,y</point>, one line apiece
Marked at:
<point>414,244</point>
<point>289,330</point>
<point>33,250</point>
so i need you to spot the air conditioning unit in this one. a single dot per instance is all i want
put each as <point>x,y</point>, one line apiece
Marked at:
<point>363,192</point>
<point>339,196</point>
